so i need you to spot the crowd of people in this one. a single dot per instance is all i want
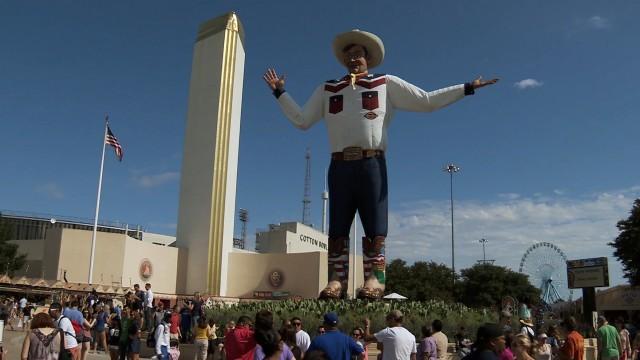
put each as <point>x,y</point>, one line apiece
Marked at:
<point>80,325</point>
<point>501,341</point>
<point>72,328</point>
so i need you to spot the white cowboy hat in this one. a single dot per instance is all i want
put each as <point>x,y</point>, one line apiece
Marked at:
<point>527,322</point>
<point>371,42</point>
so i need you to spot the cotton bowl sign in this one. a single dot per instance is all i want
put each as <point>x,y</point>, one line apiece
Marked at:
<point>586,273</point>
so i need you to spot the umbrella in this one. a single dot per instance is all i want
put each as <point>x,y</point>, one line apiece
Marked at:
<point>395,296</point>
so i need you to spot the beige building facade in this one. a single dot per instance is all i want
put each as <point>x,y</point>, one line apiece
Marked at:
<point>292,261</point>
<point>120,259</point>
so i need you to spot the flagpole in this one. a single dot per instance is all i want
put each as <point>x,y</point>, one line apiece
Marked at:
<point>95,220</point>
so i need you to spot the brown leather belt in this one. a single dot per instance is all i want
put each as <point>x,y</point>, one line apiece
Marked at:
<point>356,153</point>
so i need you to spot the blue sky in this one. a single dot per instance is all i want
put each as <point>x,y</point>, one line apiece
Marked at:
<point>547,154</point>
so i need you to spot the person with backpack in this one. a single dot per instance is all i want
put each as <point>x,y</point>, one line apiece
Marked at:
<point>71,347</point>
<point>114,338</point>
<point>527,328</point>
<point>79,324</point>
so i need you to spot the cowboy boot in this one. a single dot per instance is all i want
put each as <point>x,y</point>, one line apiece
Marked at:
<point>338,269</point>
<point>374,268</point>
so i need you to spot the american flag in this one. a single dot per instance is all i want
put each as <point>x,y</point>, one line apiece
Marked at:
<point>111,140</point>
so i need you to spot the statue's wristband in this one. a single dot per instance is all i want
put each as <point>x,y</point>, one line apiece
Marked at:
<point>468,89</point>
<point>277,92</point>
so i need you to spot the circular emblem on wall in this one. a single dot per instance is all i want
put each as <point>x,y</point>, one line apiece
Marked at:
<point>276,278</point>
<point>146,269</point>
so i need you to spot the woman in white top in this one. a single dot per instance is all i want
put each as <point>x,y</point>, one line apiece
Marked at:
<point>542,350</point>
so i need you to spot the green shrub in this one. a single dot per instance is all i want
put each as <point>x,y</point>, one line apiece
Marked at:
<point>353,312</point>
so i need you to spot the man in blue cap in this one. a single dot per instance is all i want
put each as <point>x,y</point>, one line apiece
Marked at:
<point>336,345</point>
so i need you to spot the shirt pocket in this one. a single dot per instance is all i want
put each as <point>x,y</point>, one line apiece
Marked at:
<point>336,104</point>
<point>370,100</point>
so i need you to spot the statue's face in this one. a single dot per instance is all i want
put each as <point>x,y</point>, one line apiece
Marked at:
<point>355,59</point>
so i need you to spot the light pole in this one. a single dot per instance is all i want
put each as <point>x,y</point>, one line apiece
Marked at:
<point>451,169</point>
<point>484,255</point>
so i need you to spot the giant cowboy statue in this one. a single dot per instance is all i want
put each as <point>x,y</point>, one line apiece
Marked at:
<point>358,108</point>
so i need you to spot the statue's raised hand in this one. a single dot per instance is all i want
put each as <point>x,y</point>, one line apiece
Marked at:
<point>479,82</point>
<point>274,80</point>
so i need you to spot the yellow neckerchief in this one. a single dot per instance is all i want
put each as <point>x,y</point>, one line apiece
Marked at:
<point>355,77</point>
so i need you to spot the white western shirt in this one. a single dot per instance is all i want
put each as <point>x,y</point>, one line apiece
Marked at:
<point>148,298</point>
<point>360,116</point>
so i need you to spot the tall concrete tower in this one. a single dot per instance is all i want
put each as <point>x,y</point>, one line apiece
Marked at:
<point>210,160</point>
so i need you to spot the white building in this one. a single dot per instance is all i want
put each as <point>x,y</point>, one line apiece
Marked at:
<point>291,238</point>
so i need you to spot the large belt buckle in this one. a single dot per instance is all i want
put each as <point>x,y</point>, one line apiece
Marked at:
<point>352,153</point>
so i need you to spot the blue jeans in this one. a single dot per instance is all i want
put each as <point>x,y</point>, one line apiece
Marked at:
<point>194,320</point>
<point>358,185</point>
<point>164,353</point>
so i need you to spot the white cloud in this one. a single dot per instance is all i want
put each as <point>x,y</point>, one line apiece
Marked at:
<point>598,22</point>
<point>149,181</point>
<point>509,196</point>
<point>581,227</point>
<point>51,190</point>
<point>528,84</point>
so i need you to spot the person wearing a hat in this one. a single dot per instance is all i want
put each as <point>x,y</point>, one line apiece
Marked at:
<point>490,342</point>
<point>527,328</point>
<point>541,349</point>
<point>335,344</point>
<point>357,109</point>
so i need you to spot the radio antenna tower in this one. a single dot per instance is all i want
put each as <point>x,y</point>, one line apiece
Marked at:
<point>243,214</point>
<point>306,200</point>
<point>325,198</point>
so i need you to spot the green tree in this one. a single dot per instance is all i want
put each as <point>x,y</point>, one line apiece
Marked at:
<point>420,281</point>
<point>10,259</point>
<point>397,277</point>
<point>485,285</point>
<point>431,281</point>
<point>627,244</point>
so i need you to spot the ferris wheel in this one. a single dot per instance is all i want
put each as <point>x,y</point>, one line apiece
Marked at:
<point>546,266</point>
